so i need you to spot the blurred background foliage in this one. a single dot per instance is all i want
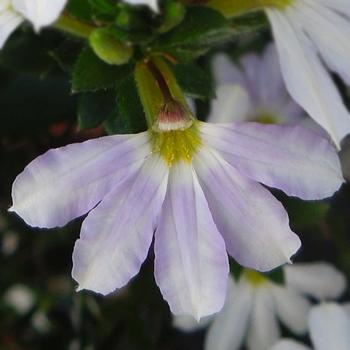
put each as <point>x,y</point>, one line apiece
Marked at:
<point>54,91</point>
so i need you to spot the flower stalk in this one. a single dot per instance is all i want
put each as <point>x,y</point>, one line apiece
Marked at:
<point>74,26</point>
<point>231,8</point>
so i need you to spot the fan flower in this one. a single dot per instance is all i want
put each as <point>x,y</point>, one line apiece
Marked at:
<point>194,186</point>
<point>255,303</point>
<point>40,13</point>
<point>329,326</point>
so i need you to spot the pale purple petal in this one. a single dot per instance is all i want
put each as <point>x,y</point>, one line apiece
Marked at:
<point>292,308</point>
<point>116,235</point>
<point>293,159</point>
<point>225,72</point>
<point>319,280</point>
<point>230,326</point>
<point>9,21</point>
<point>264,329</point>
<point>191,263</point>
<point>253,223</point>
<point>329,327</point>
<point>67,182</point>
<point>40,12</point>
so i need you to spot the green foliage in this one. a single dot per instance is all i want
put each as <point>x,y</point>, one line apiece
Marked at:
<point>92,74</point>
<point>95,107</point>
<point>128,116</point>
<point>276,276</point>
<point>194,81</point>
<point>201,27</point>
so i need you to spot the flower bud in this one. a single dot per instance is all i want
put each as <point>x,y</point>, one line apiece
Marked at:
<point>109,48</point>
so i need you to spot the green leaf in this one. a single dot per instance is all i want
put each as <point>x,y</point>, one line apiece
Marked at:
<point>306,214</point>
<point>202,26</point>
<point>91,74</point>
<point>95,107</point>
<point>194,81</point>
<point>129,116</point>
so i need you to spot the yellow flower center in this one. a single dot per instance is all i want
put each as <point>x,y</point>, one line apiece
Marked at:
<point>254,278</point>
<point>265,118</point>
<point>176,145</point>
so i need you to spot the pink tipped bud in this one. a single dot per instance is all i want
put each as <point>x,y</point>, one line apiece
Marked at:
<point>172,116</point>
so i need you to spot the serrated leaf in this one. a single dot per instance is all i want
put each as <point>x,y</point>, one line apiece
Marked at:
<point>202,26</point>
<point>95,107</point>
<point>92,74</point>
<point>194,81</point>
<point>129,116</point>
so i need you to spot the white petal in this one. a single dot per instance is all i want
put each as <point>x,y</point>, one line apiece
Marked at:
<point>232,103</point>
<point>116,235</point>
<point>189,324</point>
<point>67,182</point>
<point>153,4</point>
<point>292,308</point>
<point>330,33</point>
<point>330,327</point>
<point>9,21</point>
<point>289,344</point>
<point>306,78</point>
<point>293,159</point>
<point>264,329</point>
<point>40,12</point>
<point>320,280</point>
<point>191,263</point>
<point>253,223</point>
<point>230,326</point>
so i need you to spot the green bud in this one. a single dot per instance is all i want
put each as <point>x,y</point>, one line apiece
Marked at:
<point>174,13</point>
<point>109,48</point>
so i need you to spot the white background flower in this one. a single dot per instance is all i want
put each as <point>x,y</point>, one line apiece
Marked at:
<point>329,326</point>
<point>39,12</point>
<point>254,305</point>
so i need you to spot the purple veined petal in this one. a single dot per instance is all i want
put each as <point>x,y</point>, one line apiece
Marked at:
<point>290,158</point>
<point>9,21</point>
<point>305,75</point>
<point>67,182</point>
<point>116,235</point>
<point>329,327</point>
<point>40,12</point>
<point>289,344</point>
<point>292,308</point>
<point>319,280</point>
<point>230,326</point>
<point>191,263</point>
<point>264,329</point>
<point>252,222</point>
